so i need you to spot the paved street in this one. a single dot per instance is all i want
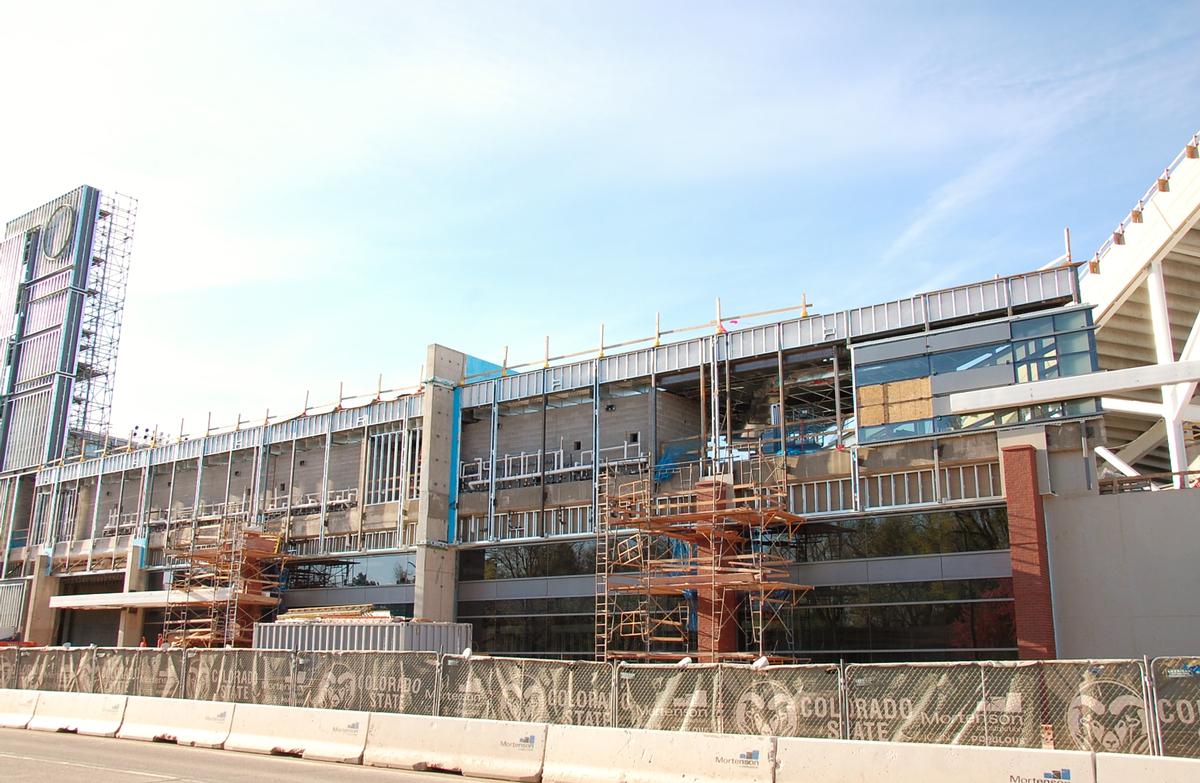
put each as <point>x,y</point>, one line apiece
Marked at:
<point>39,757</point>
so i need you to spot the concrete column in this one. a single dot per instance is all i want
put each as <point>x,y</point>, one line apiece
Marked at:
<point>41,622</point>
<point>1034,601</point>
<point>83,510</point>
<point>1164,352</point>
<point>435,578</point>
<point>129,627</point>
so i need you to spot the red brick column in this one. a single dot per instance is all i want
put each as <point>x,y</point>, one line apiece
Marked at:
<point>1030,562</point>
<point>716,609</point>
<point>716,617</point>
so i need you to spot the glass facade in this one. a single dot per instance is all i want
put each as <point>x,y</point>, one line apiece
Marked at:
<point>945,620</point>
<point>1050,346</point>
<point>527,561</point>
<point>898,621</point>
<point>543,627</point>
<point>897,535</point>
<point>368,571</point>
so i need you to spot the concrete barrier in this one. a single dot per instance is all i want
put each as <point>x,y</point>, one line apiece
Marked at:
<point>204,724</point>
<point>84,713</point>
<point>1123,768</point>
<point>849,761</point>
<point>476,748</point>
<point>585,754</point>
<point>16,707</point>
<point>325,735</point>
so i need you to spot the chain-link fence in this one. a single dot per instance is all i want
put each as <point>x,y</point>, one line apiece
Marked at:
<point>780,701</point>
<point>139,672</point>
<point>8,668</point>
<point>373,682</point>
<point>1177,705</point>
<point>527,689</point>
<point>1119,706</point>
<point>1088,705</point>
<point>57,670</point>
<point>252,676</point>
<point>663,696</point>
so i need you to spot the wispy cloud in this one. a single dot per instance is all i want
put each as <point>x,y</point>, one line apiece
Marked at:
<point>324,190</point>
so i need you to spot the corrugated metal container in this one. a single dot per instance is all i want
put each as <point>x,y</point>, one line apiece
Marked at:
<point>12,608</point>
<point>447,638</point>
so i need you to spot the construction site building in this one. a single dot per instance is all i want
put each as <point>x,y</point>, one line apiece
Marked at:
<point>997,469</point>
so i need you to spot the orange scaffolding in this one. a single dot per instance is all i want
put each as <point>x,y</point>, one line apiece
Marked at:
<point>228,579</point>
<point>699,571</point>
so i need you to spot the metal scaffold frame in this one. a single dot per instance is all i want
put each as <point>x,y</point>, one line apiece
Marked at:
<point>677,573</point>
<point>230,577</point>
<point>100,327</point>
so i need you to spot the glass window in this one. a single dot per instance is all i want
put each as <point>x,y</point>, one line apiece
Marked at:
<point>1037,370</point>
<point>1081,407</point>
<point>940,626</point>
<point>1071,322</point>
<point>1041,348</point>
<point>971,358</point>
<point>907,429</point>
<point>1075,364</point>
<point>896,535</point>
<point>527,561</point>
<point>1032,327</point>
<point>894,370</point>
<point>1076,342</point>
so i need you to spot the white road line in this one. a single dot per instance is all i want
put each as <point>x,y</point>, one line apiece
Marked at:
<point>86,766</point>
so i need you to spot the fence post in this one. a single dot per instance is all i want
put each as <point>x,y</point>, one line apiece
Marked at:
<point>844,695</point>
<point>294,674</point>
<point>183,673</point>
<point>92,658</point>
<point>437,686</point>
<point>983,701</point>
<point>717,702</point>
<point>616,694</point>
<point>1150,693</point>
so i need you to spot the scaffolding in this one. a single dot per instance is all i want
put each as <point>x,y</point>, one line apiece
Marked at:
<point>700,570</point>
<point>100,329</point>
<point>228,580</point>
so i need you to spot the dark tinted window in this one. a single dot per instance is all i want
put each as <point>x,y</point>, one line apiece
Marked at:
<point>527,561</point>
<point>898,535</point>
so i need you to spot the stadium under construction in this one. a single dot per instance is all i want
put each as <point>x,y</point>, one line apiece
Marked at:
<point>999,469</point>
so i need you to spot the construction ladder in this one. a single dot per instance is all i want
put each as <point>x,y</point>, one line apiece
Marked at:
<point>603,541</point>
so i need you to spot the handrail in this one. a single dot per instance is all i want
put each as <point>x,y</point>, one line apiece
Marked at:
<point>1146,482</point>
<point>1191,150</point>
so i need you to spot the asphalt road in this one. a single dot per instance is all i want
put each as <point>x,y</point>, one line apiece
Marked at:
<point>40,757</point>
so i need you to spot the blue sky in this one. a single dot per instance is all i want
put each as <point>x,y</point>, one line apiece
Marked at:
<point>326,188</point>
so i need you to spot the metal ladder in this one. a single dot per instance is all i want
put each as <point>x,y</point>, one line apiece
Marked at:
<point>225,628</point>
<point>603,542</point>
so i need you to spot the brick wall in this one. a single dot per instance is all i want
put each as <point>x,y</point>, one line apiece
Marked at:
<point>1030,562</point>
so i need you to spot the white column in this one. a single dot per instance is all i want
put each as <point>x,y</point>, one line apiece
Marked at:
<point>1164,351</point>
